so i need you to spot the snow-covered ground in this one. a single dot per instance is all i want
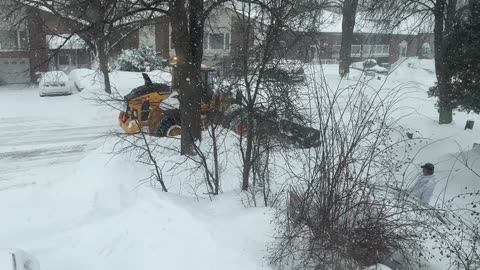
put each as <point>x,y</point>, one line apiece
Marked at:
<point>67,200</point>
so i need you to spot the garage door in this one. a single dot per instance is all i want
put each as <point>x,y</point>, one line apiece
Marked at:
<point>14,70</point>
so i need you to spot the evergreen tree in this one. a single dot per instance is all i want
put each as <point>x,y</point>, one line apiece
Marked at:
<point>463,60</point>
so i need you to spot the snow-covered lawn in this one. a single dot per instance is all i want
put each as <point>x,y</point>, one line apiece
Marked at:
<point>68,201</point>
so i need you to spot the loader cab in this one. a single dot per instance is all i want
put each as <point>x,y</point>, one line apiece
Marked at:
<point>207,78</point>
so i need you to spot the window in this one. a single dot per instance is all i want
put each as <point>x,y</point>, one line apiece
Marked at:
<point>64,60</point>
<point>386,49</point>
<point>216,41</point>
<point>356,50</point>
<point>336,51</point>
<point>13,40</point>
<point>364,50</point>
<point>403,48</point>
<point>370,50</point>
<point>367,50</point>
<point>313,53</point>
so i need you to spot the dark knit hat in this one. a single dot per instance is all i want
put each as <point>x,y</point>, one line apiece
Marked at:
<point>428,166</point>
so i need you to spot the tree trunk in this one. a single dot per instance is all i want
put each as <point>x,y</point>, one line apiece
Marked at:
<point>103,61</point>
<point>443,26</point>
<point>187,33</point>
<point>349,11</point>
<point>189,108</point>
<point>247,160</point>
<point>216,181</point>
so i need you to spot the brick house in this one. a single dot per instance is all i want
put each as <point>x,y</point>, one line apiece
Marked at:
<point>44,42</point>
<point>369,41</point>
<point>223,36</point>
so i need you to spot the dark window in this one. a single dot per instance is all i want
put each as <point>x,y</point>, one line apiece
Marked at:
<point>8,40</point>
<point>23,40</point>
<point>217,41</point>
<point>63,60</point>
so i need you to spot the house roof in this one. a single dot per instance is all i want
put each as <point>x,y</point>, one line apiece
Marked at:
<point>65,41</point>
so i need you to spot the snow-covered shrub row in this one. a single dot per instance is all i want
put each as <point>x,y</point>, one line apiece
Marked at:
<point>141,59</point>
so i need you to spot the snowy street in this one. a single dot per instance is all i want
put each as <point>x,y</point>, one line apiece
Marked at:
<point>44,137</point>
<point>31,144</point>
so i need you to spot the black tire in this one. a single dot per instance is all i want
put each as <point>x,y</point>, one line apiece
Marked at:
<point>164,126</point>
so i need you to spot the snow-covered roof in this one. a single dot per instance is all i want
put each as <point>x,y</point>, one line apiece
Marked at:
<point>65,41</point>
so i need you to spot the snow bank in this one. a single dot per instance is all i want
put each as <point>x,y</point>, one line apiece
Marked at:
<point>98,215</point>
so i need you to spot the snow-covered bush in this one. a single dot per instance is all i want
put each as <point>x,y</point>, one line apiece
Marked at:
<point>137,60</point>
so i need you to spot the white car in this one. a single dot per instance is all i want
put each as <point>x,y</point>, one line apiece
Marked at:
<point>16,259</point>
<point>54,83</point>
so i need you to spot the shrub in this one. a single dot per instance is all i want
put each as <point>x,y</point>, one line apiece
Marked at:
<point>138,60</point>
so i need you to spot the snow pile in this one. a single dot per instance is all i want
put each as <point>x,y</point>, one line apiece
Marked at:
<point>97,215</point>
<point>424,64</point>
<point>375,68</point>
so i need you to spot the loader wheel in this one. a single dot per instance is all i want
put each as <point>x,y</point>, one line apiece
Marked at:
<point>174,130</point>
<point>168,127</point>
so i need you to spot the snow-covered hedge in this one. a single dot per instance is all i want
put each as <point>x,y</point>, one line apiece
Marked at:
<point>141,59</point>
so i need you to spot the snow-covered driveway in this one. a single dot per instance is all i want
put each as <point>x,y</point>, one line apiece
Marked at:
<point>43,133</point>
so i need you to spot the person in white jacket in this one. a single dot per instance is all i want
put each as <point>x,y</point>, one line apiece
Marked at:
<point>425,184</point>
